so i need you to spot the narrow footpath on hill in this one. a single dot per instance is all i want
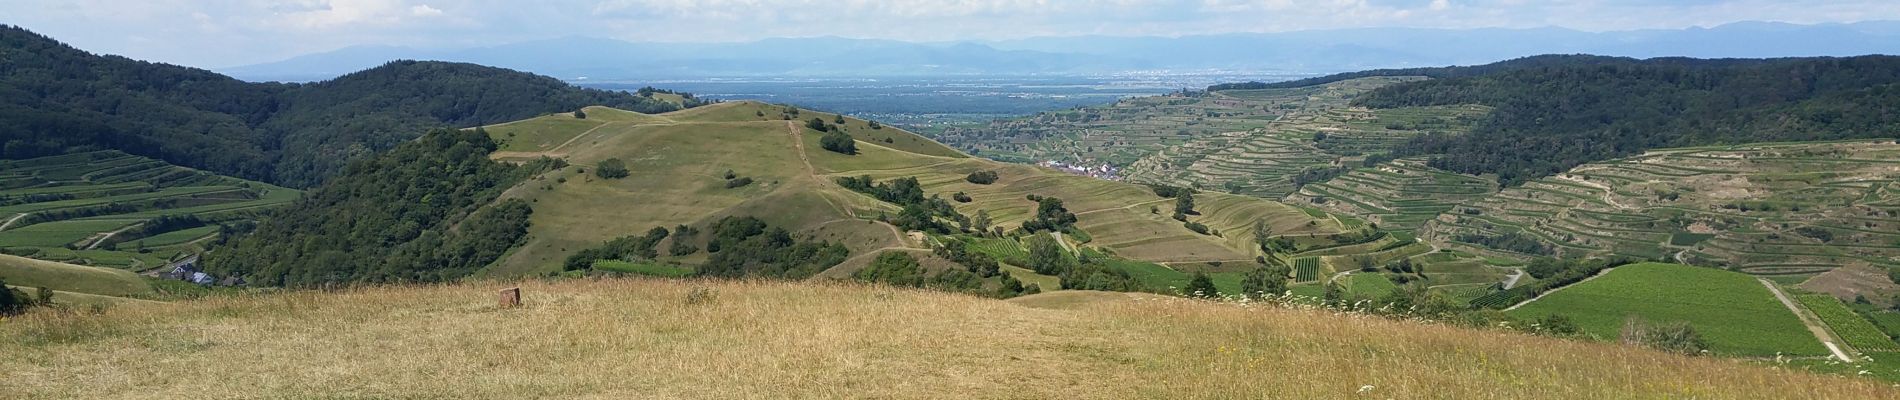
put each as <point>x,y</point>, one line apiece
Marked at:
<point>1808,319</point>
<point>1605,271</point>
<point>550,151</point>
<point>10,221</point>
<point>811,172</point>
<point>109,235</point>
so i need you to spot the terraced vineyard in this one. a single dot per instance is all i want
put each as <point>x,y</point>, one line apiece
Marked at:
<point>98,208</point>
<point>1316,131</point>
<point>1779,210</point>
<point>1306,269</point>
<point>1846,324</point>
<point>1398,196</point>
<point>1237,141</point>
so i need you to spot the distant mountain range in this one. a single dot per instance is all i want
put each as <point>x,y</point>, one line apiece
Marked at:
<point>1319,51</point>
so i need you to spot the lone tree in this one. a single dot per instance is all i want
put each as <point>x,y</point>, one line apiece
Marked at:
<point>818,124</point>
<point>1201,286</point>
<point>1184,203</point>
<point>1046,256</point>
<point>579,114</point>
<point>981,177</point>
<point>1263,282</point>
<point>611,168</point>
<point>838,142</point>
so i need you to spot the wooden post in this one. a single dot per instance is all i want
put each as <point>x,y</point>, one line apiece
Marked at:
<point>511,297</point>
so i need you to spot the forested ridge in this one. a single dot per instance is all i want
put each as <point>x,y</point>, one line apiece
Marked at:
<point>421,212</point>
<point>1552,113</point>
<point>55,98</point>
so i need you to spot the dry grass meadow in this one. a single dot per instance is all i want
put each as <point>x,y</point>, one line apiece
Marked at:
<point>657,339</point>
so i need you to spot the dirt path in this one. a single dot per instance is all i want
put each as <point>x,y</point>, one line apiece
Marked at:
<point>1813,322</point>
<point>1607,192</point>
<point>108,235</point>
<point>1600,274</point>
<point>1122,207</point>
<point>550,152</point>
<point>10,221</point>
<point>1512,281</point>
<point>811,172</point>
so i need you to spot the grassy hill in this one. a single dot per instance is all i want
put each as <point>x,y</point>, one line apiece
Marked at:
<point>27,272</point>
<point>678,160</point>
<point>721,339</point>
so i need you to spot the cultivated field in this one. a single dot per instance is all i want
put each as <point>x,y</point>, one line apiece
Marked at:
<point>92,208</point>
<point>1734,312</point>
<point>1788,211</point>
<point>713,339</point>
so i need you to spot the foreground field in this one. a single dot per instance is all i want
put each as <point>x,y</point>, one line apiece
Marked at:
<point>702,339</point>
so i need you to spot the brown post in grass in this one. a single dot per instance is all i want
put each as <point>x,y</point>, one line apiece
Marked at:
<point>511,297</point>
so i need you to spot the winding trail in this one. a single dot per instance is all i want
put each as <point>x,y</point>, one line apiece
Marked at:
<point>1512,281</point>
<point>551,151</point>
<point>1808,319</point>
<point>1607,191</point>
<point>1122,207</point>
<point>108,235</point>
<point>1600,274</point>
<point>10,221</point>
<point>811,172</point>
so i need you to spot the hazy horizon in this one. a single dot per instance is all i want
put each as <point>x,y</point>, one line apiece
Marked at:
<point>232,33</point>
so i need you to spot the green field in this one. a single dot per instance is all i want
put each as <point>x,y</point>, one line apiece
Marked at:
<point>26,272</point>
<point>1366,286</point>
<point>1734,312</point>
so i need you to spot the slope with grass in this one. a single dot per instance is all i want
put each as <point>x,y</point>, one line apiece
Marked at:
<point>677,163</point>
<point>717,339</point>
<point>27,272</point>
<point>1733,311</point>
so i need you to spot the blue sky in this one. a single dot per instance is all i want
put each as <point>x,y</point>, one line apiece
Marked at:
<point>222,33</point>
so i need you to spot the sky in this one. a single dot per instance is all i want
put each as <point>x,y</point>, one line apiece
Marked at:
<point>226,33</point>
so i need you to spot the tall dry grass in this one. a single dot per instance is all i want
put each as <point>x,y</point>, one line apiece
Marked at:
<point>645,339</point>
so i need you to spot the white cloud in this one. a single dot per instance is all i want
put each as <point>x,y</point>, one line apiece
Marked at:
<point>424,10</point>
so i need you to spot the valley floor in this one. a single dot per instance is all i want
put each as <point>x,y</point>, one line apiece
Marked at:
<point>712,339</point>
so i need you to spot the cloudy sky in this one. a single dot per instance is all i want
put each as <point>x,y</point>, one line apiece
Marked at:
<point>222,33</point>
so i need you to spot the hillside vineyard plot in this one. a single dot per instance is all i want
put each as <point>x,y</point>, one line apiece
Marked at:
<point>109,208</point>
<point>1792,209</point>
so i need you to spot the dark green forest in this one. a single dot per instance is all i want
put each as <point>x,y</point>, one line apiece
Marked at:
<point>1553,113</point>
<point>420,212</point>
<point>56,99</point>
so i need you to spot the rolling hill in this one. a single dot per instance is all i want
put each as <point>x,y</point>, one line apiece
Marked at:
<point>677,161</point>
